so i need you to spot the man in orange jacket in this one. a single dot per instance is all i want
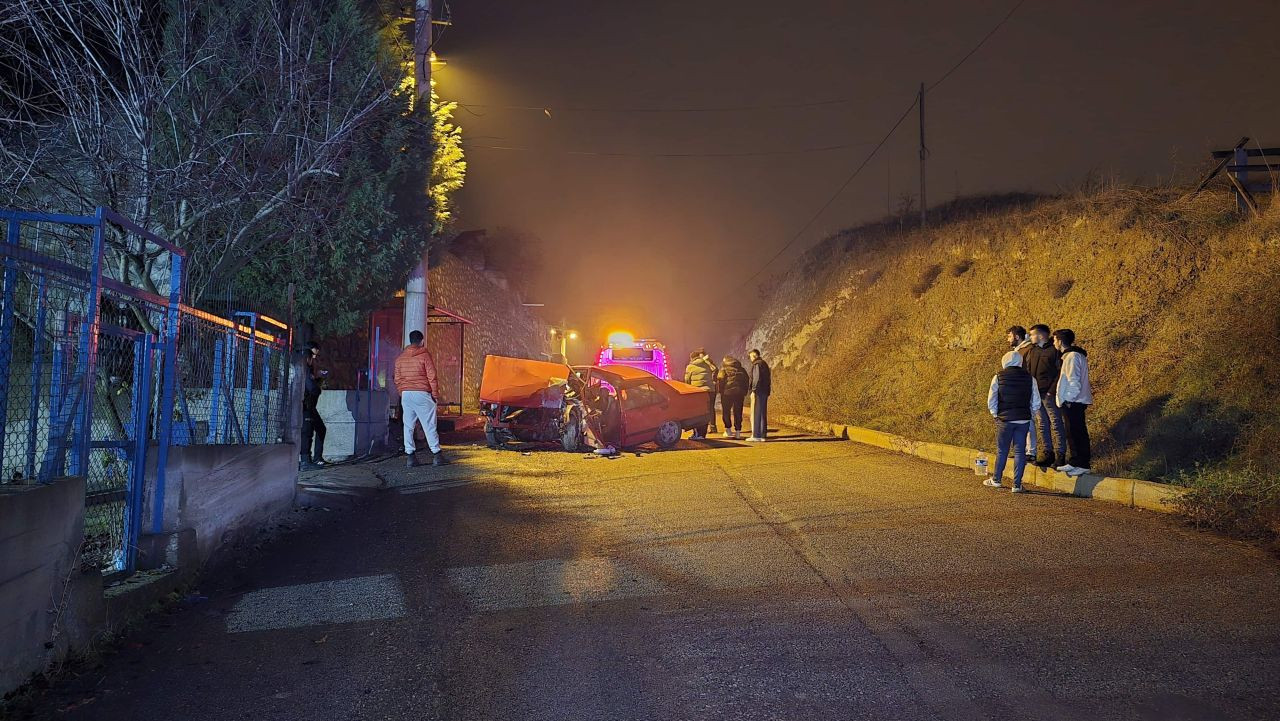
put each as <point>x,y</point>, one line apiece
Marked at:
<point>415,378</point>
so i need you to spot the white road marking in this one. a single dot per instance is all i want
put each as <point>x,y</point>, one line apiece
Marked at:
<point>349,600</point>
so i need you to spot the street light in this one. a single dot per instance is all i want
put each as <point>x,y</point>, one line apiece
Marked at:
<point>565,335</point>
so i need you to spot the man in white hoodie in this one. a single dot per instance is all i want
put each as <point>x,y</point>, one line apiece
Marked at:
<point>1013,400</point>
<point>1074,396</point>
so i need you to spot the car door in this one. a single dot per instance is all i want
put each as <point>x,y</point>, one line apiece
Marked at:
<point>644,408</point>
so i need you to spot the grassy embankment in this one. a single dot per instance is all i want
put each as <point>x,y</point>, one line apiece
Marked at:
<point>1176,301</point>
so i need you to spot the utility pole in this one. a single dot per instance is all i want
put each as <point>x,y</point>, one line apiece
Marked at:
<point>415,289</point>
<point>924,153</point>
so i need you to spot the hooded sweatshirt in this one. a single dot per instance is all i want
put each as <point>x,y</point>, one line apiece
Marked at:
<point>732,380</point>
<point>416,371</point>
<point>1013,396</point>
<point>1073,384</point>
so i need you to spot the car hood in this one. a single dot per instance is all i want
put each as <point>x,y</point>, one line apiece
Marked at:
<point>523,383</point>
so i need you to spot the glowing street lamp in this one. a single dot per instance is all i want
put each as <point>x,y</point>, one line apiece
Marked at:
<point>565,335</point>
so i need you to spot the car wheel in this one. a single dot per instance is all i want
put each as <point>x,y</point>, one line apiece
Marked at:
<point>669,433</point>
<point>571,439</point>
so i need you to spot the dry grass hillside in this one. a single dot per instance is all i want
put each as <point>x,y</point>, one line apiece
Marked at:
<point>1176,301</point>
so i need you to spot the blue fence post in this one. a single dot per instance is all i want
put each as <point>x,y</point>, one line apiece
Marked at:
<point>266,393</point>
<point>248,371</point>
<point>6,344</point>
<point>53,466</point>
<point>215,394</point>
<point>164,427</point>
<point>37,374</point>
<point>87,363</point>
<point>229,358</point>
<point>143,348</point>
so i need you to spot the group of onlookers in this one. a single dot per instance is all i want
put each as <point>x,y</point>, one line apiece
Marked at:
<point>732,383</point>
<point>1038,401</point>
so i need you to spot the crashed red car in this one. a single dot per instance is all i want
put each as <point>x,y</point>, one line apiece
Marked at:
<point>585,406</point>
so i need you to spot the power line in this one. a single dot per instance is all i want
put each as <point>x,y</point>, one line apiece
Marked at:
<point>977,47</point>
<point>546,109</point>
<point>883,140</point>
<point>620,154</point>
<point>836,194</point>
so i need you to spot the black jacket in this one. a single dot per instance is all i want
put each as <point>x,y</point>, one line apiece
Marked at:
<point>761,377</point>
<point>1044,364</point>
<point>732,380</point>
<point>1013,395</point>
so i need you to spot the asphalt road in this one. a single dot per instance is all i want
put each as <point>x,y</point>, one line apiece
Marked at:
<point>801,579</point>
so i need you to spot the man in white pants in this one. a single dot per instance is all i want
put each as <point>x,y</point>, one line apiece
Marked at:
<point>415,378</point>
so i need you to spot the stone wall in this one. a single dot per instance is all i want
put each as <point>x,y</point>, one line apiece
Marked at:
<point>501,325</point>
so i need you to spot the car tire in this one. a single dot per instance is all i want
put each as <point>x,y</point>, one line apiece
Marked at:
<point>669,434</point>
<point>571,439</point>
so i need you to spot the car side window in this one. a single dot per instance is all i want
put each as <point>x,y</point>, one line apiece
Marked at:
<point>640,396</point>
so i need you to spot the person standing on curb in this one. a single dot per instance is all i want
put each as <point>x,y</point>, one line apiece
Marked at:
<point>1012,399</point>
<point>415,378</point>
<point>761,386</point>
<point>313,427</point>
<point>732,383</point>
<point>1017,337</point>
<point>1074,396</point>
<point>1044,363</point>
<point>701,373</point>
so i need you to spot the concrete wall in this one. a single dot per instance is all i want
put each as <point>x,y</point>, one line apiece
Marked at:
<point>356,421</point>
<point>41,528</point>
<point>212,496</point>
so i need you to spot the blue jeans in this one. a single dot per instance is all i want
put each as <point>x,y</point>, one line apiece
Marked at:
<point>1015,435</point>
<point>759,416</point>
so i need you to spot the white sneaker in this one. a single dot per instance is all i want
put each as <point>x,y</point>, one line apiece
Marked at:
<point>1018,489</point>
<point>992,483</point>
<point>1078,471</point>
<point>1065,469</point>
<point>754,439</point>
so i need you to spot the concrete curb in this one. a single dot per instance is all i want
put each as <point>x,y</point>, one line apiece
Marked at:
<point>1127,491</point>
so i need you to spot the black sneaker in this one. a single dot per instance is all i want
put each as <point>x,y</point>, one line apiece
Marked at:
<point>412,461</point>
<point>438,459</point>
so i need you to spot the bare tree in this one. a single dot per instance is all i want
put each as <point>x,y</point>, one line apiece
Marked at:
<point>218,124</point>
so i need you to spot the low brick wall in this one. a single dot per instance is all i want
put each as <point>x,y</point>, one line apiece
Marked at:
<point>1126,491</point>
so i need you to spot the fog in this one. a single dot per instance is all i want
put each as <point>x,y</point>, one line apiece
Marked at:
<point>665,247</point>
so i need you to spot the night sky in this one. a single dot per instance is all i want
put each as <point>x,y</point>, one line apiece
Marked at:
<point>1135,89</point>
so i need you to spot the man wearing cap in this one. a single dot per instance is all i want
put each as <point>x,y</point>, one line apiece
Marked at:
<point>1013,399</point>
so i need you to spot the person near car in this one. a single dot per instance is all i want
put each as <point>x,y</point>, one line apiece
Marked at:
<point>415,378</point>
<point>1074,396</point>
<point>1044,363</point>
<point>701,373</point>
<point>1013,400</point>
<point>732,384</point>
<point>761,386</point>
<point>313,428</point>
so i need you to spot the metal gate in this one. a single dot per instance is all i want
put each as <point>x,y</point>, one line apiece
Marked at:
<point>78,365</point>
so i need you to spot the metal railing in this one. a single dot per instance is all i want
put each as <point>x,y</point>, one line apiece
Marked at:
<point>94,342</point>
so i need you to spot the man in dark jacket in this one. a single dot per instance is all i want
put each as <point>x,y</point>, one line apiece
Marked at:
<point>1044,363</point>
<point>701,372</point>
<point>732,383</point>
<point>761,386</point>
<point>312,424</point>
<point>1012,400</point>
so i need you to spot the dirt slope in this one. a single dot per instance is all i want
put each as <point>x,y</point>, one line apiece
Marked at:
<point>1177,303</point>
